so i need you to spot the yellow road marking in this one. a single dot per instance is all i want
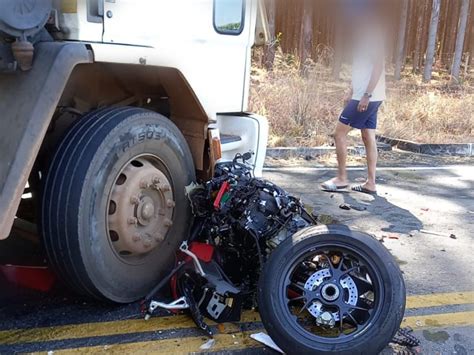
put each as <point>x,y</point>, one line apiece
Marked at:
<point>77,331</point>
<point>172,346</point>
<point>439,320</point>
<point>440,299</point>
<point>89,330</point>
<point>243,341</point>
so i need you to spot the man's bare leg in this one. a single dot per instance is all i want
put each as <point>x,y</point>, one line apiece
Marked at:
<point>340,136</point>
<point>370,142</point>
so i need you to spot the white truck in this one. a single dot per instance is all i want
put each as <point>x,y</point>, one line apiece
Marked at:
<point>108,110</point>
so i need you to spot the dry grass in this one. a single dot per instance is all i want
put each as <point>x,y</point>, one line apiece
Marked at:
<point>303,111</point>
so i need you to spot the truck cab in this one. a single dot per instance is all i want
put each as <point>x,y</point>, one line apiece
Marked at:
<point>109,110</point>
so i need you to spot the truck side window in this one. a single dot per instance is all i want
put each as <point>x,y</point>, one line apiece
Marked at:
<point>229,16</point>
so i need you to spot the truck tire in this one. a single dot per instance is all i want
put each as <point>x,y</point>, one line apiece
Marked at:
<point>324,272</point>
<point>114,209</point>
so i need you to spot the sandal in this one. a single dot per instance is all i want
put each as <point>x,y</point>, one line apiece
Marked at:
<point>362,189</point>
<point>330,186</point>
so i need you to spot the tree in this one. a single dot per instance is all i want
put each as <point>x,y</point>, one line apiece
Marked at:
<point>306,34</point>
<point>338,52</point>
<point>456,69</point>
<point>269,55</point>
<point>432,35</point>
<point>419,35</point>
<point>400,60</point>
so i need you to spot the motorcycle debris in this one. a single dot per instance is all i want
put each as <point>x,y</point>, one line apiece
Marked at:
<point>452,236</point>
<point>208,344</point>
<point>348,207</point>
<point>267,341</point>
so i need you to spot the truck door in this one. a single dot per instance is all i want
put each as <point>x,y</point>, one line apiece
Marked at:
<point>208,41</point>
<point>82,20</point>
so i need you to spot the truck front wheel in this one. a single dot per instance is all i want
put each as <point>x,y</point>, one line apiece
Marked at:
<point>114,209</point>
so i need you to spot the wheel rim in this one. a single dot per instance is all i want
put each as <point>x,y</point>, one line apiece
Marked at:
<point>332,294</point>
<point>140,209</point>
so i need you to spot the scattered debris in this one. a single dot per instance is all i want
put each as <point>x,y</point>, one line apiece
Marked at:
<point>452,236</point>
<point>405,337</point>
<point>359,208</point>
<point>208,345</point>
<point>267,341</point>
<point>392,236</point>
<point>348,207</point>
<point>425,209</point>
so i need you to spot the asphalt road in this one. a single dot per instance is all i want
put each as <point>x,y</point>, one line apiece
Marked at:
<point>437,268</point>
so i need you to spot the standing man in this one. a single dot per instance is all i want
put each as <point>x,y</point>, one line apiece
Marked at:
<point>364,98</point>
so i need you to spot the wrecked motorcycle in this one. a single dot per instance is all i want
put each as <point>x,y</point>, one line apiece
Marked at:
<point>318,289</point>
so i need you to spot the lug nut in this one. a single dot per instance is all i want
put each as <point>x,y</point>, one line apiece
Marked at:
<point>168,223</point>
<point>164,187</point>
<point>156,180</point>
<point>132,221</point>
<point>159,238</point>
<point>134,200</point>
<point>147,242</point>
<point>144,184</point>
<point>137,238</point>
<point>170,204</point>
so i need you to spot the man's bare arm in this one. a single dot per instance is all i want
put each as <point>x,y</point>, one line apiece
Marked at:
<point>374,80</point>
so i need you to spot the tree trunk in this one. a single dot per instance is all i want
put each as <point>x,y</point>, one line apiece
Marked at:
<point>338,52</point>
<point>269,55</point>
<point>432,36</point>
<point>451,32</point>
<point>400,61</point>
<point>306,35</point>
<point>455,71</point>
<point>442,31</point>
<point>419,35</point>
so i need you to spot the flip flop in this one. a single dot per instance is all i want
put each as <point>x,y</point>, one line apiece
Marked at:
<point>329,186</point>
<point>362,189</point>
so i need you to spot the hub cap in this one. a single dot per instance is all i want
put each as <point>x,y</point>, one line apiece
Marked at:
<point>141,207</point>
<point>332,294</point>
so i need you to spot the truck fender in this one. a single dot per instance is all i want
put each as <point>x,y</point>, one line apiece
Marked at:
<point>27,104</point>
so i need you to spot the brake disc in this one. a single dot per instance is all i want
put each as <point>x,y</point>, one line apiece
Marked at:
<point>347,283</point>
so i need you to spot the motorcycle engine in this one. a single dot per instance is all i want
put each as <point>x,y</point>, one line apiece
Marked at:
<point>245,218</point>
